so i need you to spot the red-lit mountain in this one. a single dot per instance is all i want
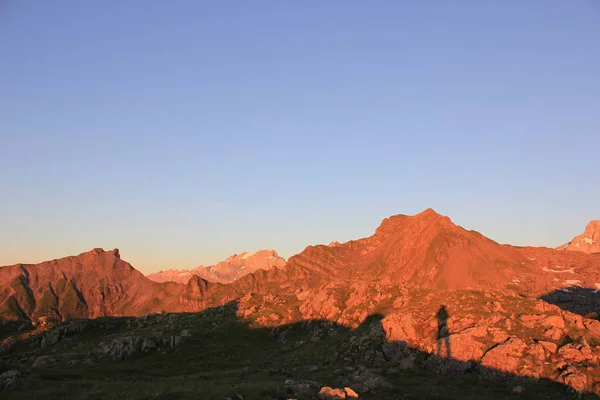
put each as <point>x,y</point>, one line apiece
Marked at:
<point>588,242</point>
<point>89,285</point>
<point>425,251</point>
<point>525,310</point>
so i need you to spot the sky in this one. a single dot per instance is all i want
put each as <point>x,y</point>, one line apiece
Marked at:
<point>182,132</point>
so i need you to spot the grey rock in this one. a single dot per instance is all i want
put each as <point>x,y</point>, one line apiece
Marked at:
<point>9,380</point>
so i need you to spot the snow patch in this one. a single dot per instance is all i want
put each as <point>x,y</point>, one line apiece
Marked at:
<point>573,282</point>
<point>247,255</point>
<point>564,290</point>
<point>559,271</point>
<point>588,240</point>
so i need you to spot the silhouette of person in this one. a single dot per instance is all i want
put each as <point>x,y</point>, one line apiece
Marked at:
<point>443,333</point>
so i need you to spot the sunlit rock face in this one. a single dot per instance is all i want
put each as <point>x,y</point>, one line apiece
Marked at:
<point>588,242</point>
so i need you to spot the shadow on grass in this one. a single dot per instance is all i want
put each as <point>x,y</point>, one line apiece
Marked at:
<point>225,356</point>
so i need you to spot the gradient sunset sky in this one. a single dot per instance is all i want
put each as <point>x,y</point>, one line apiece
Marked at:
<point>184,131</point>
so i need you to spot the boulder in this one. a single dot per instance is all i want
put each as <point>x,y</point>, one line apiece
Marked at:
<point>553,321</point>
<point>553,333</point>
<point>400,327</point>
<point>592,325</point>
<point>549,346</point>
<point>505,356</point>
<point>122,348</point>
<point>301,386</point>
<point>573,378</point>
<point>7,345</point>
<point>43,361</point>
<point>327,393</point>
<point>9,380</point>
<point>464,346</point>
<point>577,351</point>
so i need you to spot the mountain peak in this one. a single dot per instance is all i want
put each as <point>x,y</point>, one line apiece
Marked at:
<point>100,250</point>
<point>400,222</point>
<point>431,214</point>
<point>428,211</point>
<point>592,230</point>
<point>588,242</point>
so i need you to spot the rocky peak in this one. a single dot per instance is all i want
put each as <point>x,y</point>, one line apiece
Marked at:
<point>588,242</point>
<point>592,231</point>
<point>414,223</point>
<point>100,251</point>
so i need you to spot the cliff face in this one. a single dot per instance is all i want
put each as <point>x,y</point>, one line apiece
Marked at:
<point>588,242</point>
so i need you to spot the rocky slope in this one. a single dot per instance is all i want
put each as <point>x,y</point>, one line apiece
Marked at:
<point>588,242</point>
<point>227,271</point>
<point>216,355</point>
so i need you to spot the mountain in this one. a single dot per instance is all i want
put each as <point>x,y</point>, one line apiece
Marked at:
<point>233,268</point>
<point>588,242</point>
<point>529,311</point>
<point>90,285</point>
<point>426,251</point>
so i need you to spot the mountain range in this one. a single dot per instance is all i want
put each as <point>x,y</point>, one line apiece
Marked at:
<point>425,251</point>
<point>531,310</point>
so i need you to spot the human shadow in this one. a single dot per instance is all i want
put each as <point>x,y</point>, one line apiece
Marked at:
<point>443,333</point>
<point>579,300</point>
<point>226,354</point>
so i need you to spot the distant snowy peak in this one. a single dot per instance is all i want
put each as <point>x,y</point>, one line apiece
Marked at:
<point>233,268</point>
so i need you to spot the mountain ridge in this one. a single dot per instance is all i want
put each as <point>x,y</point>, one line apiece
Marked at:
<point>424,251</point>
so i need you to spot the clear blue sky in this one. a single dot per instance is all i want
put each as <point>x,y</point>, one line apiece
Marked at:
<point>184,131</point>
